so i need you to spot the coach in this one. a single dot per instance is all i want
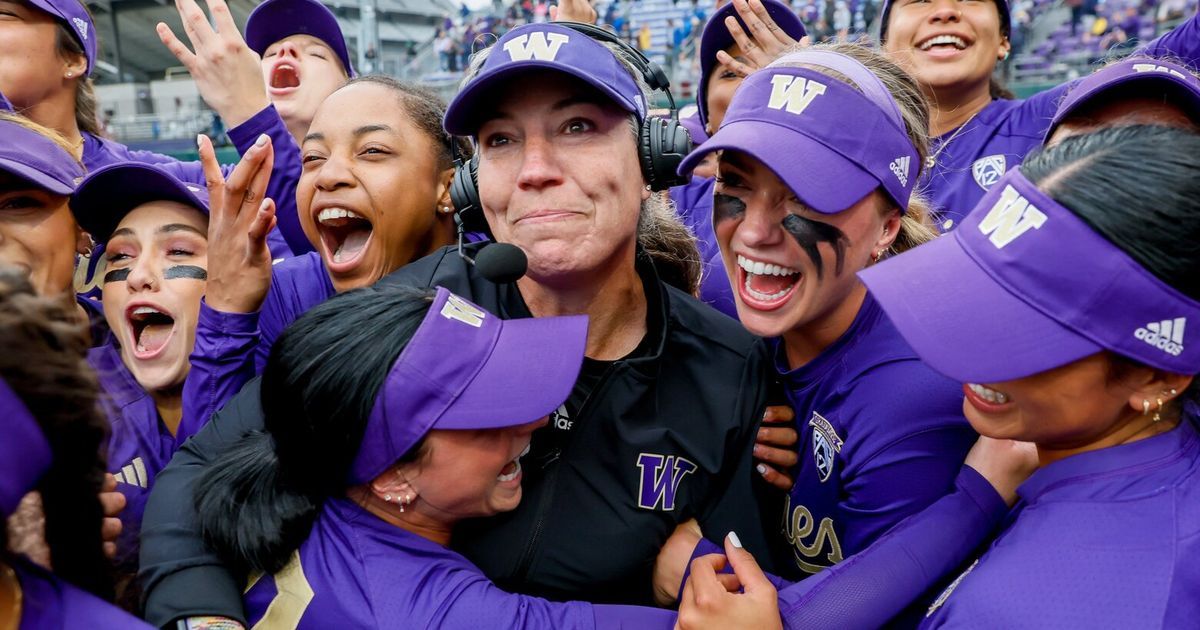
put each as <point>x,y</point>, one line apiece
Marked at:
<point>661,422</point>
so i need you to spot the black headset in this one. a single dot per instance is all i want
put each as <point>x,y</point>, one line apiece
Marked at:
<point>663,142</point>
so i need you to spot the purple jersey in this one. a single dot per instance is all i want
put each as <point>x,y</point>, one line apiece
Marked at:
<point>693,205</point>
<point>139,445</point>
<point>882,436</point>
<point>356,571</point>
<point>971,158</point>
<point>1103,539</point>
<point>48,603</point>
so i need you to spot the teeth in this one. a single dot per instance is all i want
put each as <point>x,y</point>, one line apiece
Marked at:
<point>145,310</point>
<point>944,39</point>
<point>526,451</point>
<point>987,394</point>
<point>329,214</point>
<point>764,269</point>
<point>512,475</point>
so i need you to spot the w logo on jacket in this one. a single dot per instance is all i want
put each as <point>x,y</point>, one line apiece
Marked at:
<point>660,478</point>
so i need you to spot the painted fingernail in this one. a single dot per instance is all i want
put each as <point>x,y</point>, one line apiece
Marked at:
<point>733,538</point>
<point>762,469</point>
<point>262,140</point>
<point>199,139</point>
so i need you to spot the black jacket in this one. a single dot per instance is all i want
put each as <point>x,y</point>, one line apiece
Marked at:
<point>662,436</point>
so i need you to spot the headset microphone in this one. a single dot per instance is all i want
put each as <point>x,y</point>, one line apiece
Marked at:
<point>501,263</point>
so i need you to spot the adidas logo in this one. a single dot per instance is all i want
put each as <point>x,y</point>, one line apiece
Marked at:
<point>899,167</point>
<point>1166,335</point>
<point>134,474</point>
<point>81,26</point>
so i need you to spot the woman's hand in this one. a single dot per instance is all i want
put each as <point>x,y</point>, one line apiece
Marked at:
<point>1006,464</point>
<point>765,43</point>
<point>573,11</point>
<point>672,561</point>
<point>775,447</point>
<point>240,217</point>
<point>712,600</point>
<point>112,502</point>
<point>227,73</point>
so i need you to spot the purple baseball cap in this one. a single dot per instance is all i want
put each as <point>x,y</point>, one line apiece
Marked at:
<point>1001,7</point>
<point>545,46</point>
<point>1023,286</point>
<point>38,159</point>
<point>829,142</point>
<point>75,16</point>
<point>1160,76</point>
<point>24,452</point>
<point>689,117</point>
<point>716,38</point>
<point>110,193</point>
<point>465,368</point>
<point>274,20</point>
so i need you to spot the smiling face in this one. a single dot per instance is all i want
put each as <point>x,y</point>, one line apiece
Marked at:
<point>467,474</point>
<point>370,186</point>
<point>792,269</point>
<point>946,44</point>
<point>38,235</point>
<point>559,177</point>
<point>157,269</point>
<point>301,71</point>
<point>31,70</point>
<point>722,83</point>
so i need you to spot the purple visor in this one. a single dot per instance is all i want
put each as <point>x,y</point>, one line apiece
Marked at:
<point>1024,286</point>
<point>543,47</point>
<point>1152,76</point>
<point>716,38</point>
<point>274,20</point>
<point>24,452</point>
<point>77,20</point>
<point>107,195</point>
<point>38,159</point>
<point>465,368</point>
<point>830,143</point>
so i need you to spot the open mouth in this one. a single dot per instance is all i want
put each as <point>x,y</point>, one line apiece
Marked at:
<point>152,329</point>
<point>943,43</point>
<point>285,77</point>
<point>512,469</point>
<point>345,235</point>
<point>765,286</point>
<point>988,394</point>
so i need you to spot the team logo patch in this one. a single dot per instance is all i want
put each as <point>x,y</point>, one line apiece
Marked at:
<point>1010,217</point>
<point>660,478</point>
<point>1166,335</point>
<point>81,26</point>
<point>988,170</point>
<point>134,474</point>
<point>899,168</point>
<point>826,445</point>
<point>459,309</point>
<point>535,46</point>
<point>793,94</point>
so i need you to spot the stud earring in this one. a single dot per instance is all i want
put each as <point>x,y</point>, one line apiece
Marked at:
<point>446,209</point>
<point>1158,410</point>
<point>876,256</point>
<point>1145,406</point>
<point>387,497</point>
<point>70,75</point>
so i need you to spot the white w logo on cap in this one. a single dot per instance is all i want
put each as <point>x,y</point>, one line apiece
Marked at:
<point>459,309</point>
<point>1011,217</point>
<point>539,46</point>
<point>794,94</point>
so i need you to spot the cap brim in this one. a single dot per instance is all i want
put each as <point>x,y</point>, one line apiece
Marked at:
<point>822,178</point>
<point>472,102</point>
<point>271,22</point>
<point>106,196</point>
<point>1076,102</point>
<point>529,373</point>
<point>35,177</point>
<point>962,322</point>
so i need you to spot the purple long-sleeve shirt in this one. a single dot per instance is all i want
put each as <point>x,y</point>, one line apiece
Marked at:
<point>693,205</point>
<point>882,436</point>
<point>49,603</point>
<point>1103,539</point>
<point>973,157</point>
<point>356,571</point>
<point>139,445</point>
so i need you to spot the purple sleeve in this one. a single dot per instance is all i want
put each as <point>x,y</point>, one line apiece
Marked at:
<point>284,176</point>
<point>610,617</point>
<point>222,361</point>
<point>869,588</point>
<point>481,604</point>
<point>1182,42</point>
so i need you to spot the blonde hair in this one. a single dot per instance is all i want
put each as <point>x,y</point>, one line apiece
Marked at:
<point>48,133</point>
<point>667,241</point>
<point>916,225</point>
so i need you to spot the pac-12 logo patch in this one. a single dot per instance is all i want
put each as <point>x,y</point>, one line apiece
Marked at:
<point>988,170</point>
<point>826,445</point>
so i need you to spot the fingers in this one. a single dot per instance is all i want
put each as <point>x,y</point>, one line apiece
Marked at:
<point>553,13</point>
<point>778,436</point>
<point>257,190</point>
<point>730,581</point>
<point>177,48</point>
<point>739,36</point>
<point>706,588</point>
<point>761,29</point>
<point>733,65</point>
<point>110,550</point>
<point>110,529</point>
<point>263,221</point>
<point>778,457</point>
<point>745,567</point>
<point>110,483</point>
<point>112,502</point>
<point>226,28</point>
<point>774,477</point>
<point>238,186</point>
<point>805,42</point>
<point>779,414</point>
<point>195,23</point>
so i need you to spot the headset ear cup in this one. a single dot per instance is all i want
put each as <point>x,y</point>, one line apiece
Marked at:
<point>664,144</point>
<point>464,194</point>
